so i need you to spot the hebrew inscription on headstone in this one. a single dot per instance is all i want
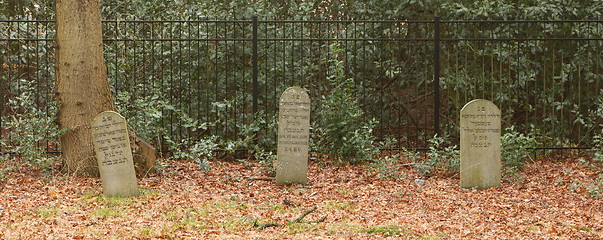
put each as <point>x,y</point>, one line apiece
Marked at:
<point>480,145</point>
<point>112,147</point>
<point>293,136</point>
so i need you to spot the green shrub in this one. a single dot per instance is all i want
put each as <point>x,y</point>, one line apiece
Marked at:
<point>598,135</point>
<point>516,149</point>
<point>441,154</point>
<point>340,130</point>
<point>30,127</point>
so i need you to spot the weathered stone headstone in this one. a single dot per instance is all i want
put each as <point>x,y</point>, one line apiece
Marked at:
<point>480,145</point>
<point>293,136</point>
<point>112,146</point>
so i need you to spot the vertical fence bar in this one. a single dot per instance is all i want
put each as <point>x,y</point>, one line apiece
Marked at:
<point>436,76</point>
<point>255,64</point>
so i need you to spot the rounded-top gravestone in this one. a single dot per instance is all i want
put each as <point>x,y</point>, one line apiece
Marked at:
<point>293,136</point>
<point>480,145</point>
<point>112,146</point>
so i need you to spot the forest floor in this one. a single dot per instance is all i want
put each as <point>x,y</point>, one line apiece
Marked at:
<point>548,199</point>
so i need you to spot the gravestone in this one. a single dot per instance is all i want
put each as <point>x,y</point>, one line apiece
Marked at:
<point>293,136</point>
<point>112,146</point>
<point>480,145</point>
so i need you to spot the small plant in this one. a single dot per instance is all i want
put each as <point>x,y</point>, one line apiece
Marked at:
<point>385,167</point>
<point>200,151</point>
<point>265,160</point>
<point>439,156</point>
<point>515,149</point>
<point>596,188</point>
<point>598,147</point>
<point>340,130</point>
<point>598,138</point>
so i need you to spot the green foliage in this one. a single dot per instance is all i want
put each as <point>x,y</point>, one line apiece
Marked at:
<point>515,149</point>
<point>144,114</point>
<point>598,148</point>
<point>199,150</point>
<point>22,9</point>
<point>598,138</point>
<point>181,94</point>
<point>340,129</point>
<point>596,188</point>
<point>441,154</point>
<point>386,167</point>
<point>30,128</point>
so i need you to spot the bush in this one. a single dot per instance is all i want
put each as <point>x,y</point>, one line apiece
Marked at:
<point>340,131</point>
<point>598,135</point>
<point>30,128</point>
<point>438,156</point>
<point>515,149</point>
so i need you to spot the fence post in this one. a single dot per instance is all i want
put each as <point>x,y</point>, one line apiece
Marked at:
<point>255,64</point>
<point>436,76</point>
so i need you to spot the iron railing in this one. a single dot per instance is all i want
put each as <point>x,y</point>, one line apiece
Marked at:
<point>411,76</point>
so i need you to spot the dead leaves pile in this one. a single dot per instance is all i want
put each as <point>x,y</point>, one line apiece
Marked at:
<point>551,199</point>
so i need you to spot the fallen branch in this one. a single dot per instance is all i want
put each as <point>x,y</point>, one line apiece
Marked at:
<point>350,180</point>
<point>297,220</point>
<point>261,178</point>
<point>322,219</point>
<point>267,225</point>
<point>301,217</point>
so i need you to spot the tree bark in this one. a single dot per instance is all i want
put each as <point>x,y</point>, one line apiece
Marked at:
<point>82,86</point>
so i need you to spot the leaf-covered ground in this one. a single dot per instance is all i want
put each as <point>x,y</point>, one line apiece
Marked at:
<point>549,199</point>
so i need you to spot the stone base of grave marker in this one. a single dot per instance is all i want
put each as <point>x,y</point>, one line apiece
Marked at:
<point>480,145</point>
<point>114,155</point>
<point>293,137</point>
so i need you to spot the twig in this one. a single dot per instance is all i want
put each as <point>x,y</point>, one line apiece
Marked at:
<point>261,178</point>
<point>266,225</point>
<point>322,219</point>
<point>299,219</point>
<point>350,180</point>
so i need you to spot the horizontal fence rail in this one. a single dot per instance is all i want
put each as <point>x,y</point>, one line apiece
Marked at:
<point>192,78</point>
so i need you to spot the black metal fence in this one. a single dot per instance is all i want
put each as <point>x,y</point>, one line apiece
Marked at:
<point>200,77</point>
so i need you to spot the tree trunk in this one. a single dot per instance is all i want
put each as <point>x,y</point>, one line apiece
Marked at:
<point>82,86</point>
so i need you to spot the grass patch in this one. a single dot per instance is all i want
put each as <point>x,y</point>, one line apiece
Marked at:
<point>148,193</point>
<point>343,191</point>
<point>47,213</point>
<point>333,205</point>
<point>295,228</point>
<point>586,229</point>
<point>110,212</point>
<point>146,231</point>
<point>237,222</point>
<point>387,231</point>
